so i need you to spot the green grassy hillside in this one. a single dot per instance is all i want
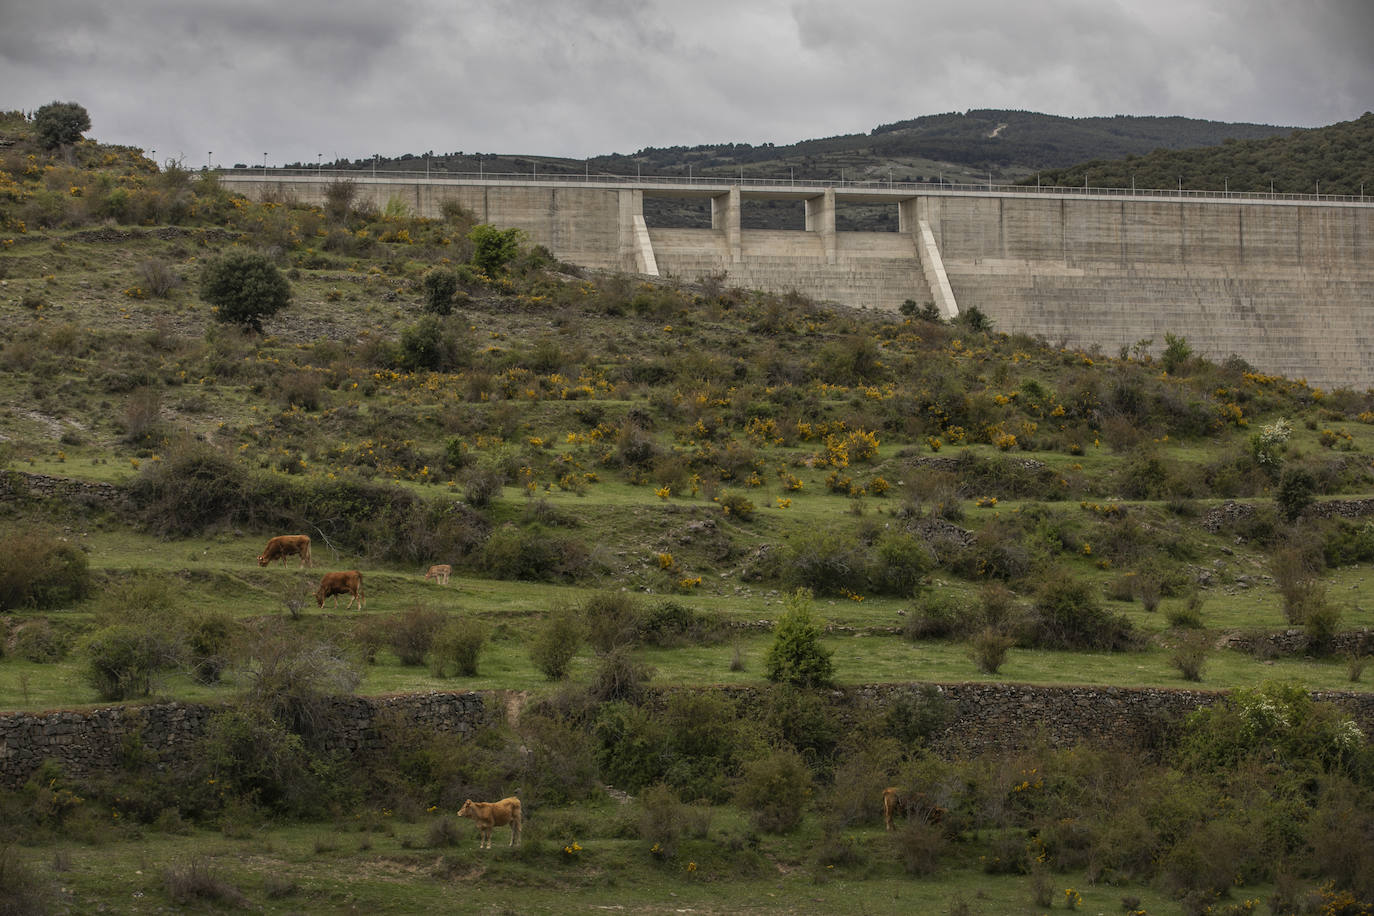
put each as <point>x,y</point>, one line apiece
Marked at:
<point>635,481</point>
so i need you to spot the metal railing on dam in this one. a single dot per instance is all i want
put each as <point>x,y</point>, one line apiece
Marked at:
<point>710,186</point>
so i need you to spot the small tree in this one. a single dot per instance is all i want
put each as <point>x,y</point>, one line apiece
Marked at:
<point>1296,487</point>
<point>440,285</point>
<point>494,248</point>
<point>61,124</point>
<point>245,288</point>
<point>797,656</point>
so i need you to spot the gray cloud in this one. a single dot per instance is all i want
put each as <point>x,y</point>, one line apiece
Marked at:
<point>580,77</point>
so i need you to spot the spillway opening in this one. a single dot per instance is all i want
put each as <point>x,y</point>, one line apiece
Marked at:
<point>677,212</point>
<point>856,217</point>
<point>772,214</point>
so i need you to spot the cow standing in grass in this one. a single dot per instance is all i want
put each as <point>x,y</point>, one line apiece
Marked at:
<point>493,814</point>
<point>287,545</point>
<point>341,583</point>
<point>439,572</point>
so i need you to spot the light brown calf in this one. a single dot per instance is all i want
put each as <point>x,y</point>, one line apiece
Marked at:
<point>341,583</point>
<point>439,572</point>
<point>286,545</point>
<point>493,814</point>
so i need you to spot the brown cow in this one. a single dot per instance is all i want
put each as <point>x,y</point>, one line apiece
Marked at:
<point>341,583</point>
<point>286,545</point>
<point>439,572</point>
<point>919,804</point>
<point>493,814</point>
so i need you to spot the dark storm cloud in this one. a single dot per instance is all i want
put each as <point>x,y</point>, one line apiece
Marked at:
<point>320,78</point>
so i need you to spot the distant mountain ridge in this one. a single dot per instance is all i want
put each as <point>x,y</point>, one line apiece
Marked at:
<point>1002,144</point>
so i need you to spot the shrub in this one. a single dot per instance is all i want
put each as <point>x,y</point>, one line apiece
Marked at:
<point>1190,656</point>
<point>193,488</point>
<point>632,745</point>
<point>988,649</point>
<point>440,285</point>
<point>38,570</point>
<point>338,198</point>
<point>620,676</point>
<point>1187,615</point>
<point>1296,486</point>
<point>481,485</point>
<point>209,635</point>
<point>773,789</point>
<point>612,620</point>
<point>667,624</point>
<point>1068,616</point>
<point>22,892</point>
<point>662,820</point>
<point>122,660</point>
<point>413,633</point>
<point>494,248</point>
<point>196,882</point>
<point>914,718</point>
<point>900,563</point>
<point>826,562</point>
<point>533,554</point>
<point>158,278</point>
<point>293,680</point>
<point>457,647</point>
<point>736,505</point>
<point>919,846</point>
<point>244,288</point>
<point>556,643</point>
<point>37,641</point>
<point>936,616</point>
<point>804,719</point>
<point>796,656</point>
<point>434,344</point>
<point>1321,619</point>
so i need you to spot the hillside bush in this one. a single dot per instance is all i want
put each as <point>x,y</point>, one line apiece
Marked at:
<point>440,285</point>
<point>988,649</point>
<point>494,249</point>
<point>59,124</point>
<point>668,624</point>
<point>825,562</point>
<point>1295,492</point>
<point>195,487</point>
<point>556,642</point>
<point>632,746</point>
<point>123,660</point>
<point>457,647</point>
<point>1189,656</point>
<point>935,615</point>
<point>294,681</point>
<point>245,288</point>
<point>1067,615</point>
<point>413,633</point>
<point>39,570</point>
<point>209,642</point>
<point>914,718</point>
<point>38,641</point>
<point>796,655</point>
<point>611,620</point>
<point>900,563</point>
<point>804,720</point>
<point>620,675</point>
<point>774,790</point>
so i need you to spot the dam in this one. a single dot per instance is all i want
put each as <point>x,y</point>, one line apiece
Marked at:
<point>1284,282</point>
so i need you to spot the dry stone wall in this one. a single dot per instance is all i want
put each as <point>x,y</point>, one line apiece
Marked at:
<point>977,718</point>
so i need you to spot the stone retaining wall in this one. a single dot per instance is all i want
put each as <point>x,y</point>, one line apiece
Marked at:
<point>978,718</point>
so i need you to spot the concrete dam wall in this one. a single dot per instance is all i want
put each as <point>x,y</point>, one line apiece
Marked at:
<point>1285,284</point>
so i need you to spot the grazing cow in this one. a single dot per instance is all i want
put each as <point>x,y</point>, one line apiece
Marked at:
<point>493,814</point>
<point>286,545</point>
<point>917,805</point>
<point>439,572</point>
<point>341,583</point>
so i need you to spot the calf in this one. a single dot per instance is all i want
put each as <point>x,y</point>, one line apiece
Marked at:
<point>916,805</point>
<point>439,572</point>
<point>341,583</point>
<point>493,814</point>
<point>286,545</point>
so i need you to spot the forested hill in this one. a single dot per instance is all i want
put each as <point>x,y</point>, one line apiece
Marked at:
<point>1007,145</point>
<point>1338,159</point>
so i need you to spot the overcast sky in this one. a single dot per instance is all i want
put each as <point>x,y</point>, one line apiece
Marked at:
<point>346,78</point>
